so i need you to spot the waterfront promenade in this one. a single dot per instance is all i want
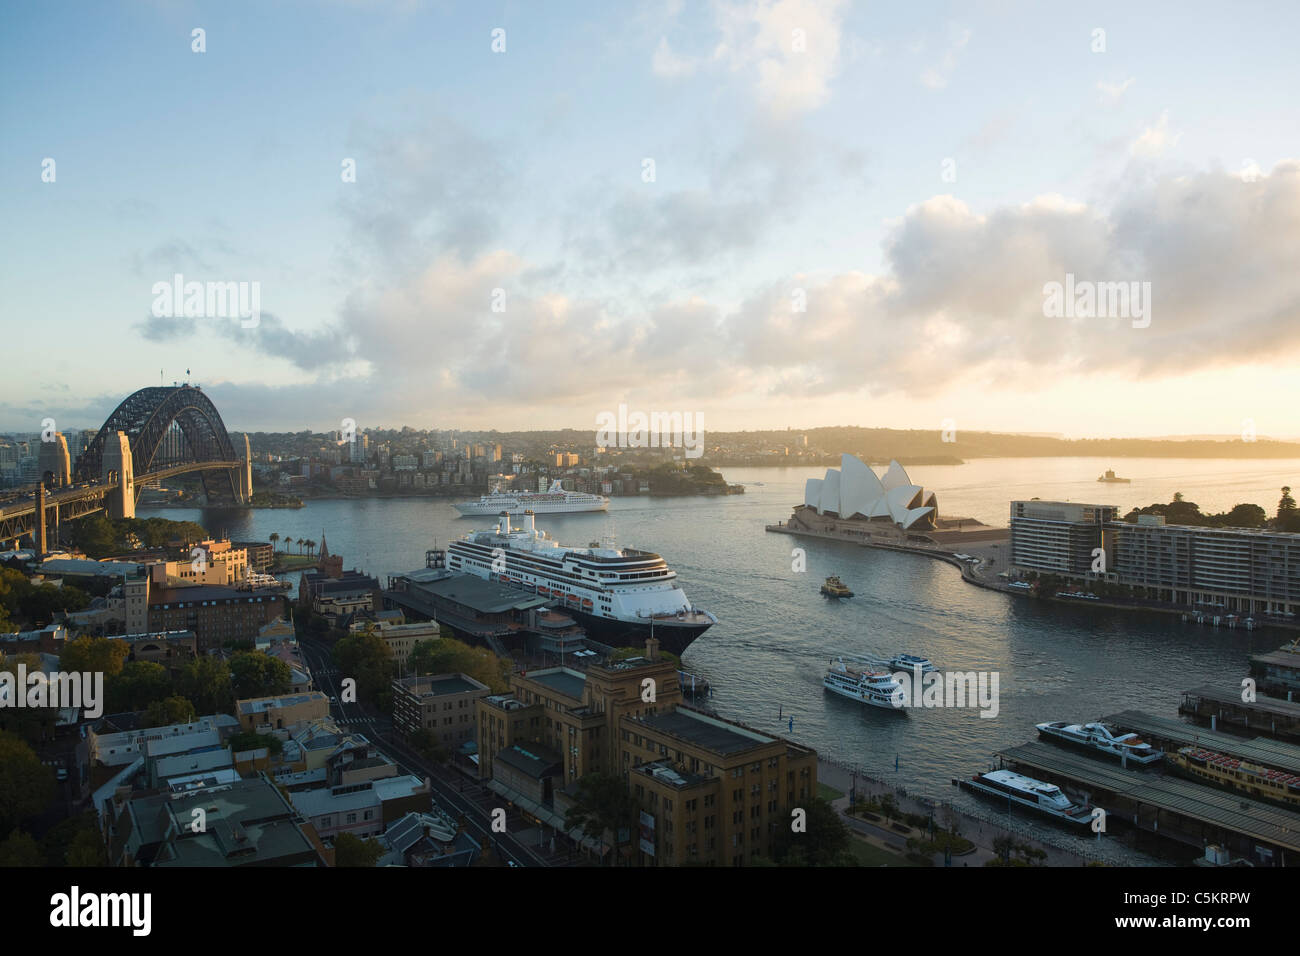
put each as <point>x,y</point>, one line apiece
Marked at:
<point>980,829</point>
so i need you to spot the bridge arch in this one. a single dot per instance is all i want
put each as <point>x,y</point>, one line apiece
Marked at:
<point>146,416</point>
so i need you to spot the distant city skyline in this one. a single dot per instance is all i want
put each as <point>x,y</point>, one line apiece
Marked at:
<point>769,213</point>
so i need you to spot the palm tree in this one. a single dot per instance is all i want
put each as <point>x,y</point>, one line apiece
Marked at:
<point>274,538</point>
<point>311,547</point>
<point>299,543</point>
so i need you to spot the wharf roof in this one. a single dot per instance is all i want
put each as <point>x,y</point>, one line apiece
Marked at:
<point>485,597</point>
<point>1232,695</point>
<point>1260,750</point>
<point>1280,658</point>
<point>1232,811</point>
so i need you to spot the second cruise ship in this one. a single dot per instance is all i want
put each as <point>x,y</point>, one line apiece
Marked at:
<point>554,500</point>
<point>617,593</point>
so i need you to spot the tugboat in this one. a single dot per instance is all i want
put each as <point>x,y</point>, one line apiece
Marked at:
<point>835,588</point>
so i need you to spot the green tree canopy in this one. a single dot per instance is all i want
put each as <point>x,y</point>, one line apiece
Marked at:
<point>255,674</point>
<point>19,849</point>
<point>823,842</point>
<point>137,685</point>
<point>351,850</point>
<point>602,804</point>
<point>170,710</point>
<point>205,681</point>
<point>94,654</point>
<point>365,657</point>
<point>445,655</point>
<point>26,784</point>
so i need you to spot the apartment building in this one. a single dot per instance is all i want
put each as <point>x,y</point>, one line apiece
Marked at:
<point>444,704</point>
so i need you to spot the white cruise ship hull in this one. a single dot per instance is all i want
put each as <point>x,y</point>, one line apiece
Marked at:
<point>519,506</point>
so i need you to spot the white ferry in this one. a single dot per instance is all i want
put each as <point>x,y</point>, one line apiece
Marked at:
<point>553,501</point>
<point>910,662</point>
<point>866,686</point>
<point>618,592</point>
<point>1044,797</point>
<point>1097,736</point>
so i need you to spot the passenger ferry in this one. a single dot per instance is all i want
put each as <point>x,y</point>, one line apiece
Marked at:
<point>1098,736</point>
<point>910,662</point>
<point>834,587</point>
<point>1248,778</point>
<point>553,501</point>
<point>866,686</point>
<point>1044,797</point>
<point>616,593</point>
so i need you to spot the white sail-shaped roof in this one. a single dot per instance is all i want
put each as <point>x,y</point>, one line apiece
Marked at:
<point>855,491</point>
<point>895,477</point>
<point>859,487</point>
<point>831,491</point>
<point>812,494</point>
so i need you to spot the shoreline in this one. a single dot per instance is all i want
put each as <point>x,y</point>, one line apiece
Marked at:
<point>969,575</point>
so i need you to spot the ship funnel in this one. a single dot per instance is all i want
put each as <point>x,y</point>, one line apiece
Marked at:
<point>529,522</point>
<point>503,522</point>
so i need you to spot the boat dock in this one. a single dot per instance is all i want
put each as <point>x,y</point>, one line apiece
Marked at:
<point>1169,733</point>
<point>1271,716</point>
<point>1277,672</point>
<point>1191,813</point>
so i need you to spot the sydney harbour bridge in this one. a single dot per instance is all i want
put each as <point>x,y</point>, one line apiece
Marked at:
<point>156,433</point>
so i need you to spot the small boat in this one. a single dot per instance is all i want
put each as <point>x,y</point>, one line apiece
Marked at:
<point>910,662</point>
<point>1112,478</point>
<point>543,589</point>
<point>1044,797</point>
<point>866,686</point>
<point>834,587</point>
<point>1098,736</point>
<point>587,603</point>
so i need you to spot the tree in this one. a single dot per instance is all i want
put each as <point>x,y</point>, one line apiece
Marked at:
<point>170,710</point>
<point>138,685</point>
<point>1288,517</point>
<point>1244,516</point>
<point>366,658</point>
<point>206,682</point>
<point>255,674</point>
<point>602,804</point>
<point>445,655</point>
<point>19,849</point>
<point>350,850</point>
<point>26,784</point>
<point>275,537</point>
<point>823,842</point>
<point>75,841</point>
<point>251,740</point>
<point>94,654</point>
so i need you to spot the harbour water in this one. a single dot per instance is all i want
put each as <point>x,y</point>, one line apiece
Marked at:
<point>766,657</point>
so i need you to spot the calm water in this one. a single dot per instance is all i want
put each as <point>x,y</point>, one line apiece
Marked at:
<point>775,633</point>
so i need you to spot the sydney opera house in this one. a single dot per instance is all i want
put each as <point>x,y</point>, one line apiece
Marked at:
<point>854,491</point>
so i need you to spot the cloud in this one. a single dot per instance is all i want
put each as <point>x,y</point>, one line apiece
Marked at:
<point>1114,92</point>
<point>789,50</point>
<point>936,77</point>
<point>963,296</point>
<point>1155,139</point>
<point>961,301</point>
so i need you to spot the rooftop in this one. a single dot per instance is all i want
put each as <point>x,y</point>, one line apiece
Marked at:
<point>704,731</point>
<point>568,682</point>
<point>485,597</point>
<point>439,685</point>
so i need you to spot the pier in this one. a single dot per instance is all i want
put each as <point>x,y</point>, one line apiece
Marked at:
<point>1190,813</point>
<point>1169,733</point>
<point>1271,716</point>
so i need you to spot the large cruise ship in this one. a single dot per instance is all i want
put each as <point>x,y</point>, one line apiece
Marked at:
<point>619,593</point>
<point>555,500</point>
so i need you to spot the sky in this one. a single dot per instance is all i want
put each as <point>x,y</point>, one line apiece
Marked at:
<point>769,213</point>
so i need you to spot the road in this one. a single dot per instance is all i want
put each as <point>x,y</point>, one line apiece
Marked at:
<point>464,798</point>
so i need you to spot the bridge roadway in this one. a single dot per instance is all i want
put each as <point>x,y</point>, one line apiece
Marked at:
<point>18,513</point>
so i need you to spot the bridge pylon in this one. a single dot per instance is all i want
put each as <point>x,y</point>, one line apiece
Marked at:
<point>53,460</point>
<point>117,461</point>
